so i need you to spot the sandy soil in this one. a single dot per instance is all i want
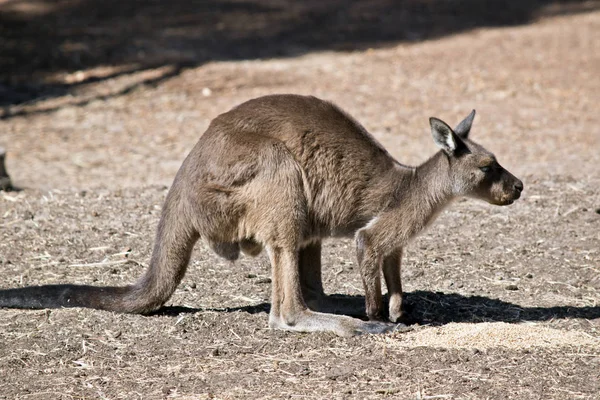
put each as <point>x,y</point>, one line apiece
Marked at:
<point>505,301</point>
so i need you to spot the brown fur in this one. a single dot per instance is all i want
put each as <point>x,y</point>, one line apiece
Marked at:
<point>283,172</point>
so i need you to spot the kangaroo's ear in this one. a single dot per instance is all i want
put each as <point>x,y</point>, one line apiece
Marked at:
<point>443,135</point>
<point>463,129</point>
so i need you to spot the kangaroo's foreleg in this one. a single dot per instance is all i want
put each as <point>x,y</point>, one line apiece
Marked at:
<point>369,262</point>
<point>393,280</point>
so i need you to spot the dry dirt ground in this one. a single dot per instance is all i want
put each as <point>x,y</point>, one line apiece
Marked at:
<point>505,301</point>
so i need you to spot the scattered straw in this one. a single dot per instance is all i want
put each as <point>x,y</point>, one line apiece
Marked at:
<point>490,335</point>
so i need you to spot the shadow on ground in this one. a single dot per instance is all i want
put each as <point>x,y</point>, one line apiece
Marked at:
<point>43,38</point>
<point>436,308</point>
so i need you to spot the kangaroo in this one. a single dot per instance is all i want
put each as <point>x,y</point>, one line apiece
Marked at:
<point>283,172</point>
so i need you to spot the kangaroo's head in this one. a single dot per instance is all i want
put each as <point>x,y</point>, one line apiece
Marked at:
<point>474,171</point>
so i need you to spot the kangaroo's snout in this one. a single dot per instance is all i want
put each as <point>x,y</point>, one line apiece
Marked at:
<point>517,189</point>
<point>518,186</point>
<point>514,194</point>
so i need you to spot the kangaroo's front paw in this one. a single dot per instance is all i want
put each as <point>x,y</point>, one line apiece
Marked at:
<point>396,316</point>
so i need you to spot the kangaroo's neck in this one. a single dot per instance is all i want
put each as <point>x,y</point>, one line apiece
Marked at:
<point>423,191</point>
<point>433,182</point>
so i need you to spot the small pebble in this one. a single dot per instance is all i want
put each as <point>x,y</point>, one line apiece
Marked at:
<point>512,287</point>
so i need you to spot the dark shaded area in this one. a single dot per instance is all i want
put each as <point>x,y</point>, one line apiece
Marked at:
<point>437,308</point>
<point>173,311</point>
<point>39,39</point>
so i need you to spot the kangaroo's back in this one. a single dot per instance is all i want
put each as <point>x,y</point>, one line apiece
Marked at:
<point>304,122</point>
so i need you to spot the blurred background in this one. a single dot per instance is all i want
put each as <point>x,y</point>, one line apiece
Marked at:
<point>105,92</point>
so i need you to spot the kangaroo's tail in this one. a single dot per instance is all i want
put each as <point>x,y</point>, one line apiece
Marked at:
<point>175,239</point>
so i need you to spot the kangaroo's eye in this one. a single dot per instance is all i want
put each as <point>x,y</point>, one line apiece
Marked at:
<point>485,169</point>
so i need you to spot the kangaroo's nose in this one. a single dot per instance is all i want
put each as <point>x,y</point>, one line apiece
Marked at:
<point>519,186</point>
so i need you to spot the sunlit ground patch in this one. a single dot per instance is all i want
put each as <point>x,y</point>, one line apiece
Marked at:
<point>490,335</point>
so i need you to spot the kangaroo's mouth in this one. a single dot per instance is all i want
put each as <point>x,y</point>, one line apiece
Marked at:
<point>507,201</point>
<point>503,202</point>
